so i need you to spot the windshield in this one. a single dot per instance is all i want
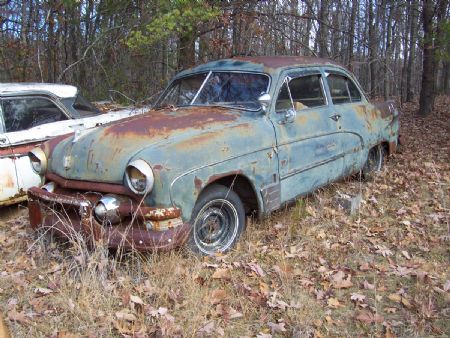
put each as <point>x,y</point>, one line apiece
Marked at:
<point>240,90</point>
<point>80,107</point>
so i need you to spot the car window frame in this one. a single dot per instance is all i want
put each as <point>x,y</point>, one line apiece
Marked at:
<point>296,74</point>
<point>208,73</point>
<point>58,104</point>
<point>2,121</point>
<point>328,71</point>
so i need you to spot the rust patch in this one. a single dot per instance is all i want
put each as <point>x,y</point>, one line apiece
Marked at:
<point>392,147</point>
<point>302,119</point>
<point>161,122</point>
<point>8,181</point>
<point>19,149</point>
<point>360,110</point>
<point>198,184</point>
<point>157,167</point>
<point>204,139</point>
<point>214,178</point>
<point>385,108</point>
<point>91,186</point>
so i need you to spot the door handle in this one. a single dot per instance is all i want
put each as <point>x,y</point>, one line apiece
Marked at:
<point>2,140</point>
<point>335,117</point>
<point>289,116</point>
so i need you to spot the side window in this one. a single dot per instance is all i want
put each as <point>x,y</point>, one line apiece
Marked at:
<point>307,92</point>
<point>21,114</point>
<point>342,89</point>
<point>355,94</point>
<point>338,89</point>
<point>283,101</point>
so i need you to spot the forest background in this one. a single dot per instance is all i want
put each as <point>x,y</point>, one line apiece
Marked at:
<point>395,47</point>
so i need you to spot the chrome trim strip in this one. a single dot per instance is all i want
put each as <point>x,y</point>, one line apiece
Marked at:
<point>311,166</point>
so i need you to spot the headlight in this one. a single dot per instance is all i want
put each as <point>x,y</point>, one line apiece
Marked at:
<point>139,177</point>
<point>38,161</point>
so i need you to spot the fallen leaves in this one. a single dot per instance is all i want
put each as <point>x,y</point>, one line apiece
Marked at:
<point>357,297</point>
<point>369,318</point>
<point>217,296</point>
<point>334,303</point>
<point>16,316</point>
<point>311,267</point>
<point>221,274</point>
<point>339,281</point>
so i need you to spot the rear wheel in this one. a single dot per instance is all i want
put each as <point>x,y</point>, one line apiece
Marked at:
<point>375,161</point>
<point>218,220</point>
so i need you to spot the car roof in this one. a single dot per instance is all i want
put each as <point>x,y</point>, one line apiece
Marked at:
<point>267,64</point>
<point>60,90</point>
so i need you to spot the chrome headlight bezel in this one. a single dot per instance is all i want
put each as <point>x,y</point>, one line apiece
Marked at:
<point>146,170</point>
<point>106,210</point>
<point>38,160</point>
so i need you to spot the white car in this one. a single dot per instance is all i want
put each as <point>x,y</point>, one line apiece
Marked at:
<point>31,113</point>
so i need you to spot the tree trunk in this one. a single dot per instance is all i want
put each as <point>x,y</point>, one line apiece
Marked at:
<point>372,50</point>
<point>388,55</point>
<point>322,33</point>
<point>186,57</point>
<point>412,50</point>
<point>405,56</point>
<point>427,93</point>
<point>351,37</point>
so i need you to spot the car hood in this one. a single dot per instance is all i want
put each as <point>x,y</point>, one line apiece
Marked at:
<point>102,154</point>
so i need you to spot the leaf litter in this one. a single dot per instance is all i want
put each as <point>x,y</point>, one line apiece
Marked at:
<point>308,270</point>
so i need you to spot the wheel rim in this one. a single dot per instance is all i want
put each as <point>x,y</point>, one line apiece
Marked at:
<point>216,226</point>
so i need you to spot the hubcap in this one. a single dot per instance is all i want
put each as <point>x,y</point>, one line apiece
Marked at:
<point>216,226</point>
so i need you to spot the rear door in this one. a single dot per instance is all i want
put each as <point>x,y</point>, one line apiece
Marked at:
<point>308,149</point>
<point>349,110</point>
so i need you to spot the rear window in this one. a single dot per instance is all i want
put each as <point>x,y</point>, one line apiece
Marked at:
<point>80,107</point>
<point>342,89</point>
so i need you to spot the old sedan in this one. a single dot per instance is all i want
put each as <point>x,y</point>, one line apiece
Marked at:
<point>31,113</point>
<point>226,139</point>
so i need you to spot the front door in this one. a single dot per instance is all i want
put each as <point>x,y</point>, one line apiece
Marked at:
<point>25,121</point>
<point>308,148</point>
<point>9,187</point>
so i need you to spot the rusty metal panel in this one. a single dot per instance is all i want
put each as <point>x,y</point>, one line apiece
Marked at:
<point>9,187</point>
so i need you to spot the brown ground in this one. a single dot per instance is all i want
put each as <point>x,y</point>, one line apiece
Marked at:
<point>309,270</point>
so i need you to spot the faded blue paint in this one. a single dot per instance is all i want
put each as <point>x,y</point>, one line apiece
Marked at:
<point>191,147</point>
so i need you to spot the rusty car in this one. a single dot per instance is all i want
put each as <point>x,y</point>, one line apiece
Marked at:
<point>226,139</point>
<point>31,113</point>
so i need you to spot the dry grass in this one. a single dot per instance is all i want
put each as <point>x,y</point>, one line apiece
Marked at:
<point>308,270</point>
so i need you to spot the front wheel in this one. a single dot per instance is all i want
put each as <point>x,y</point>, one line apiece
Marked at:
<point>218,219</point>
<point>375,161</point>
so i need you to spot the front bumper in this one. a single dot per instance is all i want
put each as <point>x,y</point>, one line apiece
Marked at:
<point>70,215</point>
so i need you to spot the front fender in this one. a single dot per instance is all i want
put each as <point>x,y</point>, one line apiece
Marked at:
<point>259,168</point>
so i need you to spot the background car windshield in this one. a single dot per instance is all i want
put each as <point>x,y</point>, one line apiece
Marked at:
<point>240,89</point>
